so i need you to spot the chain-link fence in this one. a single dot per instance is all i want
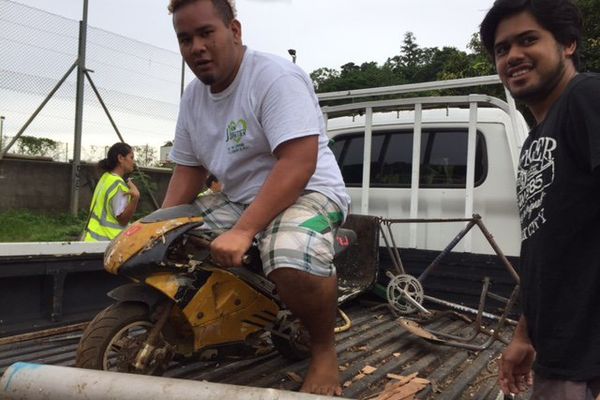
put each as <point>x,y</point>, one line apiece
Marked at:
<point>139,83</point>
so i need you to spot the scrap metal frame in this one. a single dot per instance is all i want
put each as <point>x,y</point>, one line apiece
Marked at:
<point>436,336</point>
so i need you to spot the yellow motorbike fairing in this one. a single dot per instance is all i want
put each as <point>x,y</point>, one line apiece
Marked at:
<point>148,240</point>
<point>218,306</point>
<point>226,310</point>
<point>167,283</point>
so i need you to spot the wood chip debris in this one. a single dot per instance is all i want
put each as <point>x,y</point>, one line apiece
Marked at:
<point>358,377</point>
<point>403,387</point>
<point>368,370</point>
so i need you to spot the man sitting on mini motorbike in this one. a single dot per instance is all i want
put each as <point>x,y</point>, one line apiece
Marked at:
<point>254,121</point>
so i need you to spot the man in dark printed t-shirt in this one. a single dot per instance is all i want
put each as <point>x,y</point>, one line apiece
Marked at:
<point>535,45</point>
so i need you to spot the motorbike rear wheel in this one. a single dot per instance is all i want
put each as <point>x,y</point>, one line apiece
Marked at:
<point>115,336</point>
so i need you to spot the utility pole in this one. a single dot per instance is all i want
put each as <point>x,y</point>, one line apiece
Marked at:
<point>74,205</point>
<point>1,131</point>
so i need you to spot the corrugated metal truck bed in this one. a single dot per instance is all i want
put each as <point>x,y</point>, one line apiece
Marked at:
<point>375,339</point>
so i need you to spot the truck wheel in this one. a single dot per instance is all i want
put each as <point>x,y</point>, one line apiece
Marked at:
<point>297,346</point>
<point>115,336</point>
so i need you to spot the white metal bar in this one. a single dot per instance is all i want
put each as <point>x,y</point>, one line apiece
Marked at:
<point>516,136</point>
<point>51,248</point>
<point>416,167</point>
<point>36,382</point>
<point>470,183</point>
<point>425,101</point>
<point>412,88</point>
<point>325,120</point>
<point>366,180</point>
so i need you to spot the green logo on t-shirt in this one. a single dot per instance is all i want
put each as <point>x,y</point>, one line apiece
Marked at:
<point>236,131</point>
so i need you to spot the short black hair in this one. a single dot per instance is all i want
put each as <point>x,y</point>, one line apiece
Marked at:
<point>224,7</point>
<point>562,18</point>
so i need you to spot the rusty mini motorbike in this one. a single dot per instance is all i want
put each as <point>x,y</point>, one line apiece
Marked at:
<point>180,304</point>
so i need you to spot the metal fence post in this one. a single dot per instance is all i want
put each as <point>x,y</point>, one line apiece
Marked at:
<point>1,131</point>
<point>79,112</point>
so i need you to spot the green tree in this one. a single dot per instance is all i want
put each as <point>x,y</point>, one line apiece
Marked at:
<point>445,63</point>
<point>481,62</point>
<point>418,64</point>
<point>146,156</point>
<point>591,34</point>
<point>410,59</point>
<point>413,64</point>
<point>34,146</point>
<point>353,76</point>
<point>321,76</point>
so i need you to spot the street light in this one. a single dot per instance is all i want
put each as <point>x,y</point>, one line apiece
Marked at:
<point>292,53</point>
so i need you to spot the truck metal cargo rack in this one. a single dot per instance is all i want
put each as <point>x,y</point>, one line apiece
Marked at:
<point>352,107</point>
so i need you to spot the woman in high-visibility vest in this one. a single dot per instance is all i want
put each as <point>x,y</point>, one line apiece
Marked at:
<point>114,200</point>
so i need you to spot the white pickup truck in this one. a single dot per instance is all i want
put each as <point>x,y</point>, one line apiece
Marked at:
<point>408,158</point>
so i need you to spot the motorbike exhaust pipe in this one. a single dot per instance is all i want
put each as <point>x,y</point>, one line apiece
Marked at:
<point>48,382</point>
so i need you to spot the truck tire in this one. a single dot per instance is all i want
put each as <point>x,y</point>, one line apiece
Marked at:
<point>112,340</point>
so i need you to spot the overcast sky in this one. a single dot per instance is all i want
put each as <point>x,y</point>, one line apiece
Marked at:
<point>325,33</point>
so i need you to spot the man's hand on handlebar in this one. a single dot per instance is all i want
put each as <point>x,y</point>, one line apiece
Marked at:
<point>229,248</point>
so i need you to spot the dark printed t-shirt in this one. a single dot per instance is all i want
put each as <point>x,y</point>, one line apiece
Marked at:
<point>558,190</point>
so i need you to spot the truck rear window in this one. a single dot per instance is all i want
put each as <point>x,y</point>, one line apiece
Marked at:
<point>443,158</point>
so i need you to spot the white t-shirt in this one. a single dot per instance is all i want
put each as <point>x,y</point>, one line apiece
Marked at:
<point>233,133</point>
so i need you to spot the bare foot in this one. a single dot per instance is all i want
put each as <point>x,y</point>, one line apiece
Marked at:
<point>323,376</point>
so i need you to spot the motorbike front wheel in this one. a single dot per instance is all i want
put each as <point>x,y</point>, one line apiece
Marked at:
<point>112,340</point>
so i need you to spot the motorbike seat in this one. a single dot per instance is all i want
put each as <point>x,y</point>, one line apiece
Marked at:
<point>343,240</point>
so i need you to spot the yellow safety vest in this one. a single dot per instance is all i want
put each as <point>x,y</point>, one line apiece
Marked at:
<point>103,224</point>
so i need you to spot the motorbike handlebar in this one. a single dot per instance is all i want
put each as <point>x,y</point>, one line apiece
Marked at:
<point>247,259</point>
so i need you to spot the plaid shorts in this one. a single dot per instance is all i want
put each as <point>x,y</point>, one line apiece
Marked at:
<point>301,237</point>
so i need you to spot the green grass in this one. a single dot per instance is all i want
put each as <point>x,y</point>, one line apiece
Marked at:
<point>30,226</point>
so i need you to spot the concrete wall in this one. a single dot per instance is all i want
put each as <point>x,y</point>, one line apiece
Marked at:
<point>45,185</point>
